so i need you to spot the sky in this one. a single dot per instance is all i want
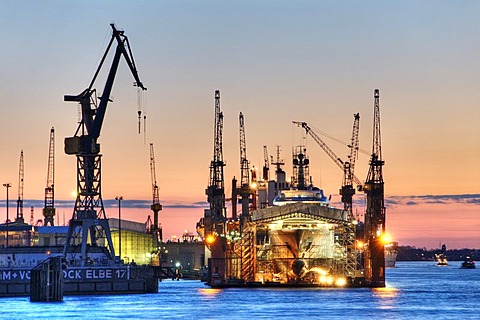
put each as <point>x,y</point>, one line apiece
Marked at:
<point>274,61</point>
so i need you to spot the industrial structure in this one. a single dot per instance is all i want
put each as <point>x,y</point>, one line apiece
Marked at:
<point>49,206</point>
<point>21,174</point>
<point>295,237</point>
<point>89,223</point>
<point>374,250</point>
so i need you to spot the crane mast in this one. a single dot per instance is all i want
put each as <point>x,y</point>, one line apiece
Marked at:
<point>89,222</point>
<point>19,218</point>
<point>216,190</point>
<point>49,206</point>
<point>375,212</point>
<point>156,207</point>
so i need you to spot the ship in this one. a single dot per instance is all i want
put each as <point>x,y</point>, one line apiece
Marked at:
<point>391,252</point>
<point>441,259</point>
<point>295,239</point>
<point>442,256</point>
<point>468,263</point>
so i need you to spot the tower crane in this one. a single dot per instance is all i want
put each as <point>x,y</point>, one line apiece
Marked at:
<point>347,191</point>
<point>375,213</point>
<point>49,206</point>
<point>19,218</point>
<point>89,219</point>
<point>156,207</point>
<point>216,189</point>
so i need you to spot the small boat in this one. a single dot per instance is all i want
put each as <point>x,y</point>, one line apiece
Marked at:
<point>468,264</point>
<point>441,259</point>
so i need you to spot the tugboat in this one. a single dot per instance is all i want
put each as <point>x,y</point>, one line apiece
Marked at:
<point>468,264</point>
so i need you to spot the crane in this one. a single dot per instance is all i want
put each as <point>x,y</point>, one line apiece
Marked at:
<point>49,206</point>
<point>19,218</point>
<point>266,165</point>
<point>216,188</point>
<point>156,206</point>
<point>89,217</point>
<point>347,190</point>
<point>245,190</point>
<point>374,257</point>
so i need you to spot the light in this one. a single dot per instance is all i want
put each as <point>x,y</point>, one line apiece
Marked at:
<point>74,194</point>
<point>177,265</point>
<point>341,282</point>
<point>386,238</point>
<point>210,239</point>
<point>253,185</point>
<point>360,244</point>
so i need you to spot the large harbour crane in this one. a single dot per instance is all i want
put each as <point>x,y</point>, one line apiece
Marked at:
<point>89,222</point>
<point>19,218</point>
<point>156,207</point>
<point>375,213</point>
<point>49,206</point>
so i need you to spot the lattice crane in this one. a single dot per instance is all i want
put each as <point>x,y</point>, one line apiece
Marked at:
<point>156,207</point>
<point>19,218</point>
<point>89,219</point>
<point>375,212</point>
<point>49,205</point>
<point>347,190</point>
<point>216,189</point>
<point>245,190</point>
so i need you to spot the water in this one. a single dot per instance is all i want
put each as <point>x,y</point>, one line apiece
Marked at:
<point>415,290</point>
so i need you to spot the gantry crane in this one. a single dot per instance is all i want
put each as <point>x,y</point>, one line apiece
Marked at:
<point>49,206</point>
<point>19,218</point>
<point>216,189</point>
<point>156,207</point>
<point>347,191</point>
<point>89,219</point>
<point>375,213</point>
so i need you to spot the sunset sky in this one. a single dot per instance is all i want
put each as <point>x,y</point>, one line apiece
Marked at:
<point>274,61</point>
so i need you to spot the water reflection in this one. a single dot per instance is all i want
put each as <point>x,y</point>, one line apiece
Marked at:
<point>386,297</point>
<point>208,293</point>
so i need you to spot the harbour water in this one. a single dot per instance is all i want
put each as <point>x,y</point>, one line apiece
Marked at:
<point>415,290</point>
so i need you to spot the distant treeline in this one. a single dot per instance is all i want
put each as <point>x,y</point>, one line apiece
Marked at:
<point>407,253</point>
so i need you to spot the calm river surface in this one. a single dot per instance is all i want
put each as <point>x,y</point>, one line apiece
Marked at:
<point>415,290</point>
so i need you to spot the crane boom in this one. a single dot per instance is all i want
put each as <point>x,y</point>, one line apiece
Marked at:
<point>326,148</point>
<point>19,218</point>
<point>49,206</point>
